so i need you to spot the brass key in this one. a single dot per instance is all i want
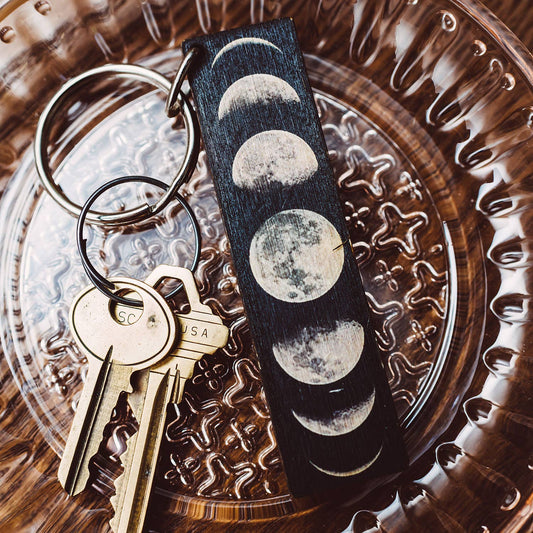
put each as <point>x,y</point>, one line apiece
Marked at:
<point>202,332</point>
<point>114,351</point>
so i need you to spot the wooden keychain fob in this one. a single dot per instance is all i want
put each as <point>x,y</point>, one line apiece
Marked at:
<point>330,403</point>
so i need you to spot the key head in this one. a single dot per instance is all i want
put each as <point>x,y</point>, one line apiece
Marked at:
<point>200,331</point>
<point>140,344</point>
<point>186,277</point>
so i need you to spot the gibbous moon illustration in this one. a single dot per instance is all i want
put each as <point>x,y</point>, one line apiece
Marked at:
<point>341,422</point>
<point>296,255</point>
<point>273,156</point>
<point>357,470</point>
<point>318,356</point>
<point>241,42</point>
<point>254,90</point>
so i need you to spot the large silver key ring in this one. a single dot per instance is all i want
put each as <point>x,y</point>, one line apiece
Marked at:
<point>176,102</point>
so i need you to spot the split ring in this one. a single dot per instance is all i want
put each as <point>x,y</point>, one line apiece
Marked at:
<point>104,285</point>
<point>136,72</point>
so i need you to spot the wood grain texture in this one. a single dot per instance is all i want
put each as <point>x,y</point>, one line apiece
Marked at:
<point>330,403</point>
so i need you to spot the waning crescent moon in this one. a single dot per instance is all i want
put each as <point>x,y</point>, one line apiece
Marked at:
<point>273,156</point>
<point>341,422</point>
<point>241,42</point>
<point>357,470</point>
<point>253,90</point>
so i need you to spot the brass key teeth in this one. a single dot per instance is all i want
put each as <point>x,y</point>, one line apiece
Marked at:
<point>73,471</point>
<point>136,399</point>
<point>114,500</point>
<point>118,483</point>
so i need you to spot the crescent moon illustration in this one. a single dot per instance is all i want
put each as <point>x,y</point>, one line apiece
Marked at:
<point>296,255</point>
<point>318,356</point>
<point>357,470</point>
<point>273,156</point>
<point>240,42</point>
<point>253,90</point>
<point>341,422</point>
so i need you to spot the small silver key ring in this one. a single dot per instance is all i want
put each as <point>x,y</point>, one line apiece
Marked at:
<point>100,282</point>
<point>176,102</point>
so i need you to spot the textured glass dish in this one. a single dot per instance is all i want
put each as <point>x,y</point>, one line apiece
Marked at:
<point>429,122</point>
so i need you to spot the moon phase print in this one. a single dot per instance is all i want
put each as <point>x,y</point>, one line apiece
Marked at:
<point>329,399</point>
<point>281,250</point>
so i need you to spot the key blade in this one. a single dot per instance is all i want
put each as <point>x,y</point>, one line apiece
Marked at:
<point>95,408</point>
<point>136,402</point>
<point>71,462</point>
<point>135,488</point>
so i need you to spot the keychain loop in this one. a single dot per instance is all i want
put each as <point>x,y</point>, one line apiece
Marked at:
<point>100,282</point>
<point>176,102</point>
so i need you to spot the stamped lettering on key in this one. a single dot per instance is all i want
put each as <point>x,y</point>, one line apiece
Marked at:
<point>125,314</point>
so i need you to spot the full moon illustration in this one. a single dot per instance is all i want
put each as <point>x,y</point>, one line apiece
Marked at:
<point>353,472</point>
<point>273,156</point>
<point>253,90</point>
<point>318,356</point>
<point>296,255</point>
<point>241,42</point>
<point>340,422</point>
